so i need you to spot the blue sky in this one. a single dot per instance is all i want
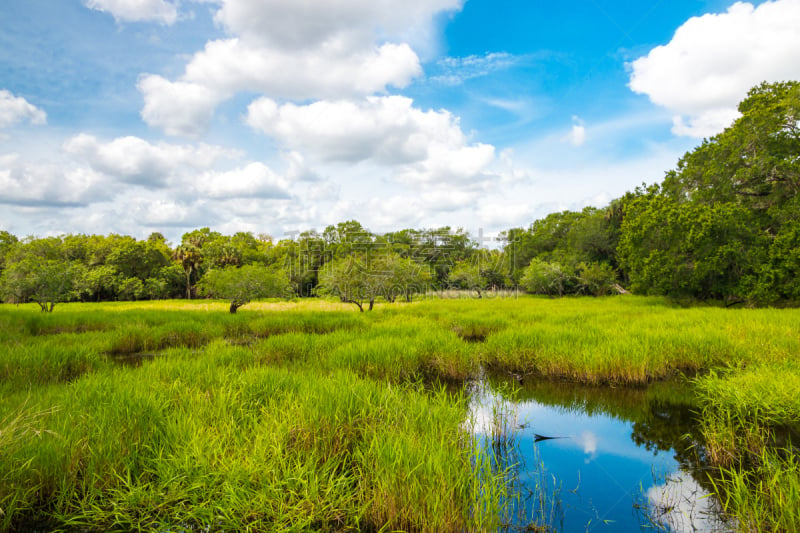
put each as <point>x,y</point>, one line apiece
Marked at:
<point>273,116</point>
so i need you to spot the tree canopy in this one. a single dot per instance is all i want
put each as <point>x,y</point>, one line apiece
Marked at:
<point>242,285</point>
<point>723,225</point>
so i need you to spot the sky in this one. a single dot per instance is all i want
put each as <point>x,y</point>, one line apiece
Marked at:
<point>281,116</point>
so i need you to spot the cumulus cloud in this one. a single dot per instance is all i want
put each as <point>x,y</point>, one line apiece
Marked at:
<point>14,109</point>
<point>137,10</point>
<point>446,199</point>
<point>254,180</point>
<point>426,146</point>
<point>297,170</point>
<point>50,185</point>
<point>502,214</point>
<point>712,61</point>
<point>179,108</point>
<point>331,70</point>
<point>307,24</point>
<point>166,212</point>
<point>455,165</point>
<point>393,212</point>
<point>136,161</point>
<point>294,50</point>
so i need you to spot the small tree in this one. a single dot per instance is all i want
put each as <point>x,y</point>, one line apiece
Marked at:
<point>468,277</point>
<point>155,288</point>
<point>130,289</point>
<point>190,257</point>
<point>401,276</point>
<point>102,280</point>
<point>352,280</point>
<point>44,281</point>
<point>596,279</point>
<point>241,285</point>
<point>552,279</point>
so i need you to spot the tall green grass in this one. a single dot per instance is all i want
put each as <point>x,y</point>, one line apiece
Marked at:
<point>308,415</point>
<point>183,442</point>
<point>751,424</point>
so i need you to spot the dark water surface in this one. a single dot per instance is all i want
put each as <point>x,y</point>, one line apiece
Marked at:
<point>598,458</point>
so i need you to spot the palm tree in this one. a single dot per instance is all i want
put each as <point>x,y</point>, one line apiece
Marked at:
<point>190,258</point>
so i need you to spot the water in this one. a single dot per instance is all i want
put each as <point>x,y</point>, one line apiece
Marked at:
<point>598,459</point>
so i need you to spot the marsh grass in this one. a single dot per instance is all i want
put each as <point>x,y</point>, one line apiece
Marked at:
<point>309,415</point>
<point>264,449</point>
<point>289,432</point>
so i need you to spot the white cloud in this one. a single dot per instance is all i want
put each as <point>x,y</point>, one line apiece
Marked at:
<point>682,505</point>
<point>254,180</point>
<point>307,24</point>
<point>447,199</point>
<point>297,170</point>
<point>127,184</point>
<point>6,160</point>
<point>577,136</point>
<point>498,214</point>
<point>166,212</point>
<point>136,161</point>
<point>455,165</point>
<point>457,70</point>
<point>589,441</point>
<point>424,146</point>
<point>137,10</point>
<point>332,70</point>
<point>705,124</point>
<point>14,109</point>
<point>179,108</point>
<point>712,61</point>
<point>325,191</point>
<point>394,212</point>
<point>51,185</point>
<point>295,50</point>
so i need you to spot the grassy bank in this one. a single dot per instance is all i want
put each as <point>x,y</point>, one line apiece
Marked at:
<point>310,415</point>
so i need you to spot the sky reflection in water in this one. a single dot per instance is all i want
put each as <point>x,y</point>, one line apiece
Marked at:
<point>604,479</point>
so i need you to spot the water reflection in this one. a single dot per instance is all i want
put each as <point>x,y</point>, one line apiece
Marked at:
<point>681,505</point>
<point>618,459</point>
<point>133,360</point>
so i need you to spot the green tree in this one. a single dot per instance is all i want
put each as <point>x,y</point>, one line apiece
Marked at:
<point>754,163</point>
<point>550,278</point>
<point>401,276</point>
<point>592,238</point>
<point>548,239</point>
<point>155,288</point>
<point>347,237</point>
<point>130,289</point>
<point>99,282</point>
<point>352,279</point>
<point>44,281</point>
<point>190,258</point>
<point>468,276</point>
<point>242,285</point>
<point>689,249</point>
<point>596,279</point>
<point>778,277</point>
<point>7,242</point>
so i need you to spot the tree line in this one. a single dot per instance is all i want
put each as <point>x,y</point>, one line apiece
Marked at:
<point>724,226</point>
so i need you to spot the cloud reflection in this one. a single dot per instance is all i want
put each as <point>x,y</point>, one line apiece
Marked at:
<point>682,505</point>
<point>589,442</point>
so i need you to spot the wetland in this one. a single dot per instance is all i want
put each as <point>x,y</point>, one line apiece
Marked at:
<point>441,415</point>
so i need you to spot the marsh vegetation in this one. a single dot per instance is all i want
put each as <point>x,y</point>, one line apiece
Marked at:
<point>311,415</point>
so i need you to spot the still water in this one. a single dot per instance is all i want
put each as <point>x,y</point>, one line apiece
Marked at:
<point>597,458</point>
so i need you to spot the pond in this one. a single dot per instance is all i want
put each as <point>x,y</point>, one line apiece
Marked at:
<point>597,458</point>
